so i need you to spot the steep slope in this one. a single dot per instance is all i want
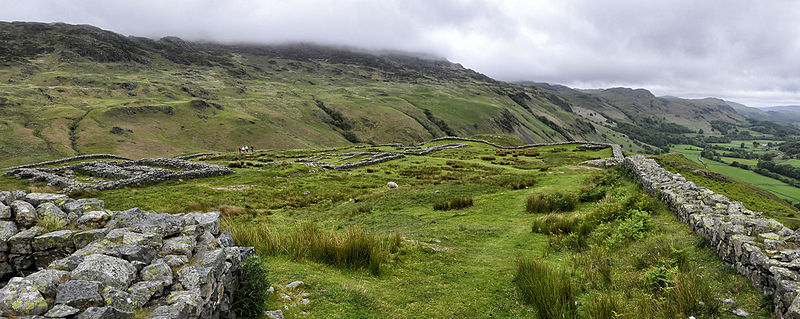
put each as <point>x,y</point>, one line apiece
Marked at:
<point>70,89</point>
<point>782,114</point>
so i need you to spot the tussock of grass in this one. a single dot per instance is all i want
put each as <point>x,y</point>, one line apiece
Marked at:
<point>353,249</point>
<point>548,290</point>
<point>550,203</point>
<point>601,306</point>
<point>455,203</point>
<point>51,223</point>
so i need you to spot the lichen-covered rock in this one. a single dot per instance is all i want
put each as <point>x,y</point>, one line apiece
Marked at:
<point>61,239</point>
<point>95,218</point>
<point>109,271</point>
<point>147,222</point>
<point>179,245</point>
<point>79,294</point>
<point>142,253</point>
<point>76,209</point>
<point>141,292</point>
<point>20,298</point>
<point>7,229</point>
<point>67,263</point>
<point>6,198</point>
<point>103,247</point>
<point>24,213</point>
<point>226,239</point>
<point>50,211</point>
<point>157,271</point>
<point>47,280</point>
<point>37,199</point>
<point>176,311</point>
<point>176,261</point>
<point>190,298</point>
<point>81,239</point>
<point>61,311</point>
<point>120,300</point>
<point>205,221</point>
<point>195,276</point>
<point>104,313</point>
<point>22,242</point>
<point>5,211</point>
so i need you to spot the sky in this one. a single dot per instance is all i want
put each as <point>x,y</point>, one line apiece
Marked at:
<point>743,51</point>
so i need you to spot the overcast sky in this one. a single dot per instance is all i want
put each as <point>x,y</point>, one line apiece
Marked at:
<point>745,51</point>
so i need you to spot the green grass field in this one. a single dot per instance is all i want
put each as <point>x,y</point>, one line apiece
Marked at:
<point>459,263</point>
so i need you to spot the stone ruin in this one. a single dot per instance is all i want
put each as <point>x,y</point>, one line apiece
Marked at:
<point>761,249</point>
<point>108,264</point>
<point>104,175</point>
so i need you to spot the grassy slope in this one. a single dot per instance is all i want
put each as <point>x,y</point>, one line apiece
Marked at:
<point>470,271</point>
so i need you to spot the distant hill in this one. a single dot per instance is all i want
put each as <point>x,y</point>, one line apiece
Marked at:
<point>69,89</point>
<point>789,108</point>
<point>781,114</point>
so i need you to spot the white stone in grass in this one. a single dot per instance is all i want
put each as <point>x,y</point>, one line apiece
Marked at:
<point>294,284</point>
<point>391,185</point>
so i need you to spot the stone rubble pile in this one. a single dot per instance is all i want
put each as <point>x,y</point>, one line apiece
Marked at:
<point>762,249</point>
<point>119,174</point>
<point>374,157</point>
<point>108,264</point>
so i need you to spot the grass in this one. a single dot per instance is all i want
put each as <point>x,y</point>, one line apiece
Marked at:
<point>457,263</point>
<point>548,203</point>
<point>548,290</point>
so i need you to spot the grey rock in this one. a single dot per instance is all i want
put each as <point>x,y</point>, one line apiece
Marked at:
<point>226,239</point>
<point>5,211</point>
<point>7,229</point>
<point>741,312</point>
<point>18,194</point>
<point>274,314</point>
<point>47,280</point>
<point>104,313</point>
<point>194,276</point>
<point>206,221</point>
<point>21,262</point>
<point>22,242</point>
<point>147,222</point>
<point>305,301</point>
<point>120,300</point>
<point>79,294</point>
<point>177,311</point>
<point>157,271</point>
<point>6,198</point>
<point>176,261</point>
<point>191,298</point>
<point>136,253</point>
<point>61,311</point>
<point>103,247</point>
<point>24,213</point>
<point>180,245</point>
<point>81,239</point>
<point>77,208</point>
<point>43,258</point>
<point>214,259</point>
<point>95,218</point>
<point>37,199</point>
<point>143,291</point>
<point>206,241</point>
<point>50,211</point>
<point>61,239</point>
<point>294,284</point>
<point>67,263</point>
<point>20,298</point>
<point>109,271</point>
<point>6,270</point>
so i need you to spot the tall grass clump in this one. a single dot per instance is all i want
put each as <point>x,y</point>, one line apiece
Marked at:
<point>353,249</point>
<point>252,295</point>
<point>549,291</point>
<point>601,306</point>
<point>550,203</point>
<point>454,203</point>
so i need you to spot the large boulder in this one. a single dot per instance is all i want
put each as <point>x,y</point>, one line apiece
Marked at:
<point>47,280</point>
<point>81,239</point>
<point>21,298</point>
<point>51,211</point>
<point>7,229</point>
<point>24,213</point>
<point>109,271</point>
<point>22,242</point>
<point>61,239</point>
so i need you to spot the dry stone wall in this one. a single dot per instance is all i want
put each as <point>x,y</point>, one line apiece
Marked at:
<point>762,249</point>
<point>106,264</point>
<point>118,174</point>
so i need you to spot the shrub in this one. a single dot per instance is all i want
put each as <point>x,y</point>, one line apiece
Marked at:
<point>548,203</point>
<point>549,291</point>
<point>631,228</point>
<point>659,278</point>
<point>252,294</point>
<point>591,193</point>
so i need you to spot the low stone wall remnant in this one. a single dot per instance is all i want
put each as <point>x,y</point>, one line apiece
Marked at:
<point>107,264</point>
<point>761,249</point>
<point>105,175</point>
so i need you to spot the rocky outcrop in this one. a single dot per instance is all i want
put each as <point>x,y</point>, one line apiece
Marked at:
<point>104,175</point>
<point>111,263</point>
<point>761,249</point>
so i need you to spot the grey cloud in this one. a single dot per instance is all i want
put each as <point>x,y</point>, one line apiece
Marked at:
<point>735,49</point>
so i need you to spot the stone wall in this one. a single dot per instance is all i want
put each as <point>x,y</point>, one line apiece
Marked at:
<point>140,172</point>
<point>71,159</point>
<point>107,264</point>
<point>760,248</point>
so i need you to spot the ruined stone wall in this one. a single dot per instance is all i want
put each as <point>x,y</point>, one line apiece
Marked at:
<point>615,149</point>
<point>70,159</point>
<point>107,264</point>
<point>760,248</point>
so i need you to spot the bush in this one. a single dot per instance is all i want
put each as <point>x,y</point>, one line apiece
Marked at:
<point>591,193</point>
<point>250,298</point>
<point>659,278</point>
<point>631,228</point>
<point>548,203</point>
<point>549,291</point>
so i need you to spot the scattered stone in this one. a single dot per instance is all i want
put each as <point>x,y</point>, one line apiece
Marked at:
<point>294,284</point>
<point>305,301</point>
<point>95,218</point>
<point>274,314</point>
<point>741,312</point>
<point>391,185</point>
